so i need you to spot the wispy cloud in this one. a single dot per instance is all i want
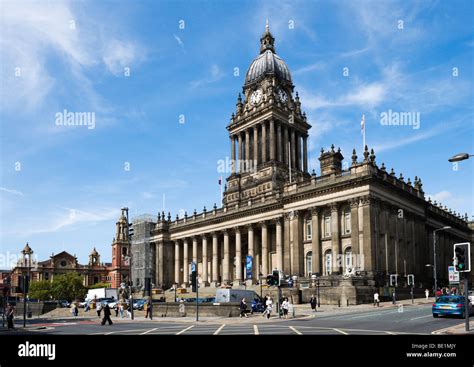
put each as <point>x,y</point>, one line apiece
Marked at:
<point>11,191</point>
<point>213,76</point>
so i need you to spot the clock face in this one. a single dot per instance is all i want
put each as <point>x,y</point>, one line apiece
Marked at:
<point>282,95</point>
<point>256,97</point>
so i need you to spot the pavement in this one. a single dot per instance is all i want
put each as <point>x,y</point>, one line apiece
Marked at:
<point>404,317</point>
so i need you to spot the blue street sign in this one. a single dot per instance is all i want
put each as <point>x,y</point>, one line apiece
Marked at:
<point>193,266</point>
<point>248,267</point>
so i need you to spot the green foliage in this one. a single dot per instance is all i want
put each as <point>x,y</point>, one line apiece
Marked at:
<point>68,287</point>
<point>40,290</point>
<point>99,285</point>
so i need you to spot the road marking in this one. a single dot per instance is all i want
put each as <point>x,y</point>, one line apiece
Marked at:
<point>149,331</point>
<point>421,317</point>
<point>218,330</point>
<point>390,333</point>
<point>184,330</point>
<point>340,331</point>
<point>255,329</point>
<point>296,331</point>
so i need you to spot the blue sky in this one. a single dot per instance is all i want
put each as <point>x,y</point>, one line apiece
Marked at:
<point>61,187</point>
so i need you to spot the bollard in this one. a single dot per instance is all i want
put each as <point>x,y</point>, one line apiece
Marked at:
<point>338,303</point>
<point>347,303</point>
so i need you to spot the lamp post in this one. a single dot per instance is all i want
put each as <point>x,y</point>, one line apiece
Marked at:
<point>175,285</point>
<point>260,275</point>
<point>434,256</point>
<point>317,292</point>
<point>125,209</point>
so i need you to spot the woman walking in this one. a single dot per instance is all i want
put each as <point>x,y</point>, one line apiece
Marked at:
<point>285,306</point>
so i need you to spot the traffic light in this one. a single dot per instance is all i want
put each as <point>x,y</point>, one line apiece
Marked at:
<point>194,281</point>
<point>276,277</point>
<point>411,279</point>
<point>462,257</point>
<point>393,280</point>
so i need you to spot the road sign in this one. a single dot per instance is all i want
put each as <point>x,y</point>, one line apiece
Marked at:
<point>193,266</point>
<point>453,275</point>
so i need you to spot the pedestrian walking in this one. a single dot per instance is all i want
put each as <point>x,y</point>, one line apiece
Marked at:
<point>313,302</point>
<point>268,308</point>
<point>106,315</point>
<point>285,306</point>
<point>243,308</point>
<point>427,293</point>
<point>376,299</point>
<point>10,314</point>
<point>99,308</point>
<point>74,309</point>
<point>149,309</point>
<point>121,308</point>
<point>116,309</point>
<point>87,307</point>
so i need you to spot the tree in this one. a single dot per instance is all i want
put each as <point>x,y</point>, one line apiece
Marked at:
<point>68,287</point>
<point>40,290</point>
<point>99,285</point>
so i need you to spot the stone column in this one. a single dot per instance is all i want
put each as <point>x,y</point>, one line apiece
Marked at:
<point>367,220</point>
<point>354,203</point>
<point>296,252</point>
<point>264,142</point>
<point>264,249</point>
<point>298,151</point>
<point>195,251</point>
<point>335,240</point>
<point>255,147</point>
<point>279,143</point>
<point>293,149</point>
<point>185,262</point>
<point>272,140</point>
<point>287,245</point>
<point>159,264</point>
<point>205,277</point>
<point>238,257</point>
<point>177,264</point>
<point>247,149</point>
<point>285,144</point>
<point>279,244</point>
<point>239,165</point>
<point>232,152</point>
<point>226,275</point>
<point>251,252</point>
<point>316,247</point>
<point>305,153</point>
<point>215,259</point>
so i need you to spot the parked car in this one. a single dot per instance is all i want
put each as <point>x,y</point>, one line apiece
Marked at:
<point>257,305</point>
<point>63,303</point>
<point>451,305</point>
<point>139,304</point>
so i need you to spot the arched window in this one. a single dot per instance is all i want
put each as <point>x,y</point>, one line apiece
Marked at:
<point>327,262</point>
<point>124,251</point>
<point>309,263</point>
<point>348,258</point>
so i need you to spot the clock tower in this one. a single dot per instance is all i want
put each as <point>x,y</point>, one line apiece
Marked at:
<point>268,132</point>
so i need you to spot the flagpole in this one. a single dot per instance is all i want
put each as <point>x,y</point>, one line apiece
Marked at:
<point>289,157</point>
<point>221,190</point>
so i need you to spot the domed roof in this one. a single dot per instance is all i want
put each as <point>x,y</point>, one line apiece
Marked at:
<point>268,62</point>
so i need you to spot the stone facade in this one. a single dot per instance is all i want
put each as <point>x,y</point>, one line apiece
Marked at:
<point>359,221</point>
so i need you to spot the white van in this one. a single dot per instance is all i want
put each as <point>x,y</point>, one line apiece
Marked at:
<point>234,295</point>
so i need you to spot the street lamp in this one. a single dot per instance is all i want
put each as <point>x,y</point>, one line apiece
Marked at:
<point>175,286</point>
<point>260,275</point>
<point>460,157</point>
<point>434,256</point>
<point>125,209</point>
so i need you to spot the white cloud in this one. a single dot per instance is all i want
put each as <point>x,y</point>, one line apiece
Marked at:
<point>178,39</point>
<point>119,55</point>
<point>214,75</point>
<point>11,191</point>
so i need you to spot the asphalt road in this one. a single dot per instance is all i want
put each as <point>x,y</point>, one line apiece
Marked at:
<point>407,320</point>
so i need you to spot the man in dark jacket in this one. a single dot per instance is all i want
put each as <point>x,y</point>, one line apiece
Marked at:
<point>10,316</point>
<point>106,315</point>
<point>313,303</point>
<point>149,309</point>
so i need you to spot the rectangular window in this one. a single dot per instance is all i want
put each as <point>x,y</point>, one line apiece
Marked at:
<point>309,229</point>
<point>327,226</point>
<point>347,222</point>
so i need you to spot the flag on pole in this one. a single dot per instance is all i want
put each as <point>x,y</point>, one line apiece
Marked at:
<point>362,131</point>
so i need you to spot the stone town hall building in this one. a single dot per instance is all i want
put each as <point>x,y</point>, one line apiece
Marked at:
<point>361,220</point>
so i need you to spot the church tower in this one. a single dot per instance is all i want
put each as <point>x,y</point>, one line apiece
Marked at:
<point>268,131</point>
<point>120,251</point>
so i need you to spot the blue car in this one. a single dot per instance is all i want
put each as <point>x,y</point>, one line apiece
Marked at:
<point>450,305</point>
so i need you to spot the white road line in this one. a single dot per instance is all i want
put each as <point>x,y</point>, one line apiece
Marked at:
<point>296,331</point>
<point>390,333</point>
<point>255,329</point>
<point>122,331</point>
<point>340,331</point>
<point>219,330</point>
<point>184,330</point>
<point>149,331</point>
<point>421,317</point>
